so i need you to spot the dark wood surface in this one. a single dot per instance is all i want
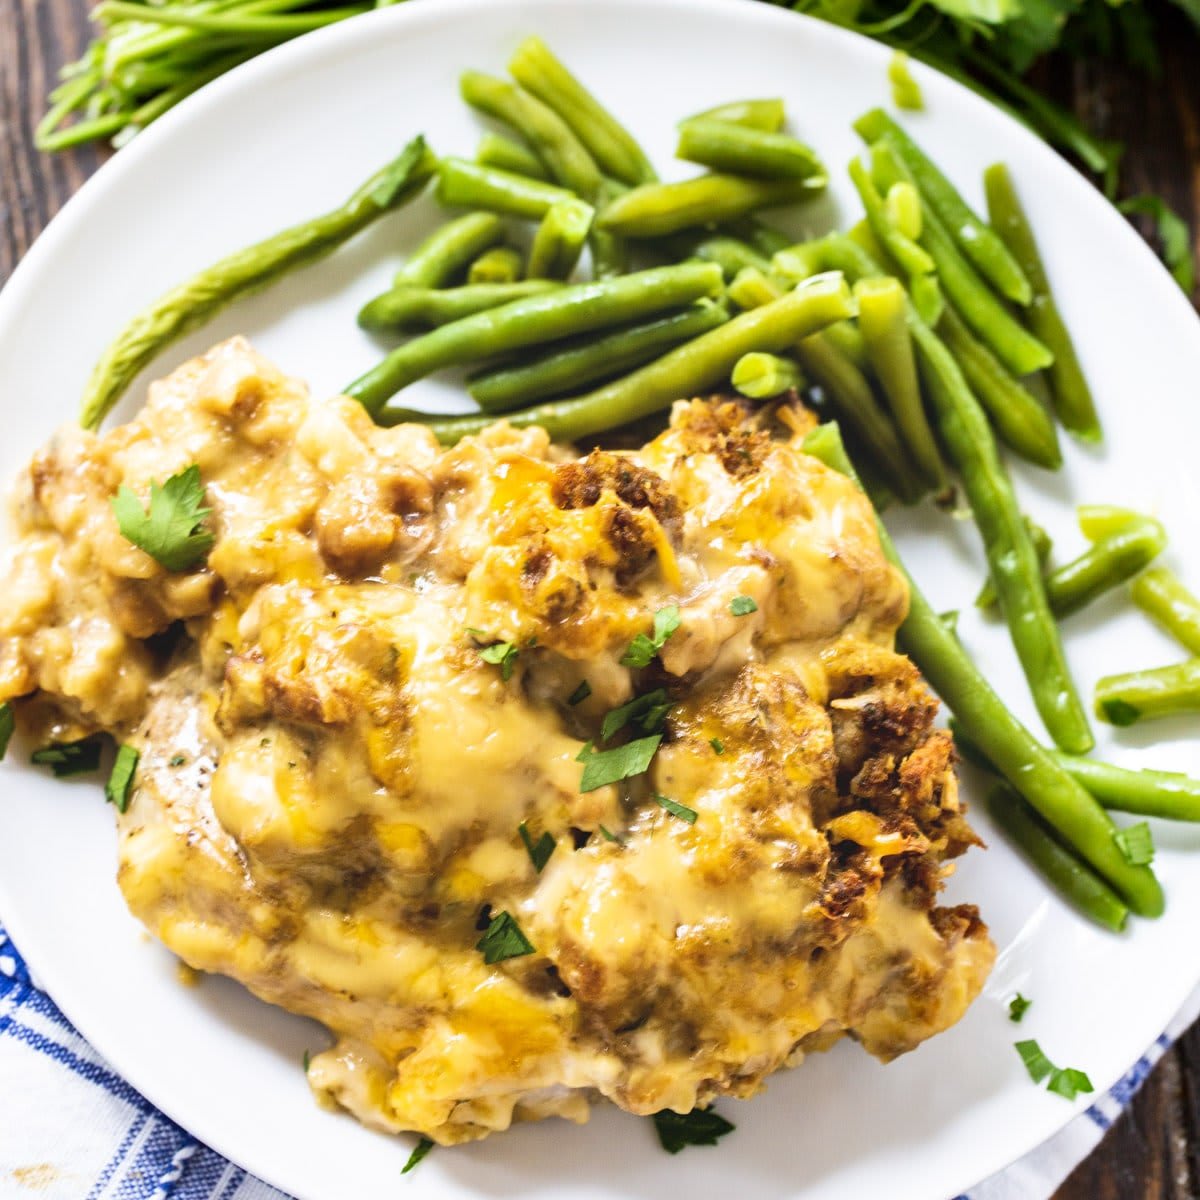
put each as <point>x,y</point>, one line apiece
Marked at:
<point>1153,1152</point>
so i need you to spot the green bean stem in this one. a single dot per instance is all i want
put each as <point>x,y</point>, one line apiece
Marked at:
<point>882,318</point>
<point>767,115</point>
<point>579,308</point>
<point>500,264</point>
<point>566,368</point>
<point>1072,878</point>
<point>1008,745</point>
<point>762,376</point>
<point>655,209</point>
<point>610,144</point>
<point>1162,595</point>
<point>405,309</point>
<point>1072,397</point>
<point>1148,695</point>
<point>561,152</point>
<point>560,239</point>
<point>689,370</point>
<point>449,249</point>
<point>740,150</point>
<point>973,236</point>
<point>463,184</point>
<point>495,150</point>
<point>189,305</point>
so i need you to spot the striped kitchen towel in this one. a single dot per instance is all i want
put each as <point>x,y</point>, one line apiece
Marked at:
<point>73,1129</point>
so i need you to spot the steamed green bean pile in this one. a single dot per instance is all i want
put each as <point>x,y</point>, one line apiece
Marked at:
<point>584,293</point>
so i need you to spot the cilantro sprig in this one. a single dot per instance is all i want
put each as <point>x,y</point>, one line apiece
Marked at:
<point>1062,1081</point>
<point>643,650</point>
<point>700,1127</point>
<point>170,530</point>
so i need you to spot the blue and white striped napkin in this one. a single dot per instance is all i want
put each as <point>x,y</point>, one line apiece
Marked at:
<point>71,1128</point>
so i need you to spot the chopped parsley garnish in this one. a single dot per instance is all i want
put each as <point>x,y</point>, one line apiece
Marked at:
<point>742,606</point>
<point>642,649</point>
<point>580,694</point>
<point>306,1060</point>
<point>1136,844</point>
<point>539,851</point>
<point>700,1127</point>
<point>499,654</point>
<point>1063,1081</point>
<point>120,778</point>
<point>676,809</point>
<point>69,758</point>
<point>1017,1008</point>
<point>717,745</point>
<point>421,1149</point>
<point>170,530</point>
<point>177,760</point>
<point>609,836</point>
<point>647,712</point>
<point>602,767</point>
<point>7,722</point>
<point>503,939</point>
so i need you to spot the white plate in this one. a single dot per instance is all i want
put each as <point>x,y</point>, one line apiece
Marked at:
<point>291,133</point>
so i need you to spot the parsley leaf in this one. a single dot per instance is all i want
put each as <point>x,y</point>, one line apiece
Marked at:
<point>503,939</point>
<point>1068,1083</point>
<point>642,649</point>
<point>700,1127</point>
<point>120,779</point>
<point>717,745</point>
<point>7,722</point>
<point>1136,844</point>
<point>170,531</point>
<point>1017,1007</point>
<point>1036,1063</point>
<point>676,809</point>
<point>421,1149</point>
<point>177,760</point>
<point>601,767</point>
<point>580,694</point>
<point>609,836</point>
<point>502,655</point>
<point>539,851</point>
<point>742,606</point>
<point>647,711</point>
<point>1174,237</point>
<point>69,758</point>
<point>306,1061</point>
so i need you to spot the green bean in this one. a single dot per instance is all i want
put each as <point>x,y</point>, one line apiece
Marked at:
<point>409,308</point>
<point>1162,595</point>
<point>448,249</point>
<point>566,368</point>
<point>764,238</point>
<point>1104,565</point>
<point>847,339</point>
<point>579,308</point>
<point>463,184</point>
<point>913,261</point>
<point>724,146</point>
<point>610,144</point>
<point>1147,695</point>
<point>903,205</point>
<point>655,209</point>
<point>610,254</point>
<point>751,288</point>
<point>1077,883</point>
<point>561,152</point>
<point>500,264</point>
<point>689,370</point>
<point>1011,748</point>
<point>976,240</point>
<point>498,151</point>
<point>1016,414</point>
<point>883,321</point>
<point>1072,398</point>
<point>559,240</point>
<point>995,326</point>
<point>906,92</point>
<point>731,254</point>
<point>987,597</point>
<point>767,115</point>
<point>1166,794</point>
<point>762,376</point>
<point>188,305</point>
<point>1100,520</point>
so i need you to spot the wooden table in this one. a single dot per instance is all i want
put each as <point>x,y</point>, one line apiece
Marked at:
<point>1153,1152</point>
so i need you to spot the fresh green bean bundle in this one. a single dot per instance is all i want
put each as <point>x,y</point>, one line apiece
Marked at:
<point>610,144</point>
<point>1008,745</point>
<point>974,238</point>
<point>500,264</point>
<point>410,308</point>
<point>449,249</point>
<point>495,150</point>
<point>767,115</point>
<point>1161,594</point>
<point>565,368</point>
<point>560,239</point>
<point>741,150</point>
<point>1072,397</point>
<point>188,305</point>
<point>760,376</point>
<point>579,308</point>
<point>689,370</point>
<point>1148,695</point>
<point>463,184</point>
